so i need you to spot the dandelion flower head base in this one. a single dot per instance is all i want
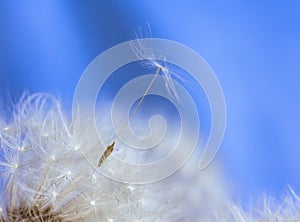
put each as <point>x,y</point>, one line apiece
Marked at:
<point>32,214</point>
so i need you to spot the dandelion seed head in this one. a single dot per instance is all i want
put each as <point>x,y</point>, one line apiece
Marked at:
<point>86,194</point>
<point>40,181</point>
<point>50,169</point>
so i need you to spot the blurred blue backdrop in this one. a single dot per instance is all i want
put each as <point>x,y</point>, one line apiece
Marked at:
<point>253,47</point>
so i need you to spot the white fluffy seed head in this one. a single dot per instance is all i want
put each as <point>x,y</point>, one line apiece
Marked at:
<point>49,175</point>
<point>57,184</point>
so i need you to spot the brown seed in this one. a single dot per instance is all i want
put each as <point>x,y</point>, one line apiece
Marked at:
<point>106,153</point>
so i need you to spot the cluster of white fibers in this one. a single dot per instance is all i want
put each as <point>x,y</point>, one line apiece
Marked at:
<point>268,209</point>
<point>44,176</point>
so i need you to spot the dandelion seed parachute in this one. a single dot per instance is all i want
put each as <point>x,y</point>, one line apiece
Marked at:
<point>148,54</point>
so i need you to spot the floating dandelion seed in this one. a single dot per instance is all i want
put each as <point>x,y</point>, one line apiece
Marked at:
<point>148,55</point>
<point>110,148</point>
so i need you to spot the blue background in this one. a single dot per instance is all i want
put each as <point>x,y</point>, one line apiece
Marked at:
<point>253,48</point>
